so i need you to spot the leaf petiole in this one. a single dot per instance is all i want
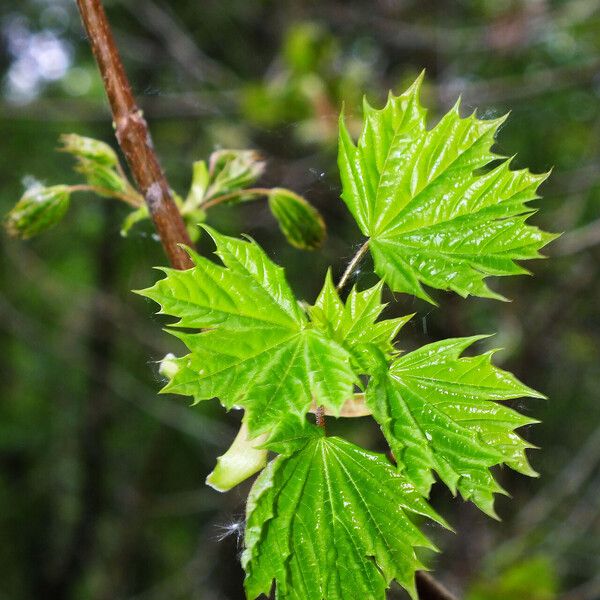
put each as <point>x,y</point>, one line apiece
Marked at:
<point>352,265</point>
<point>133,199</point>
<point>233,195</point>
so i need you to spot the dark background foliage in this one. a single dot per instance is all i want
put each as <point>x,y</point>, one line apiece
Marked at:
<point>102,490</point>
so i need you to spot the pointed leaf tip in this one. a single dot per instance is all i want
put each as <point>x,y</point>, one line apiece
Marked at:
<point>441,412</point>
<point>362,511</point>
<point>434,216</point>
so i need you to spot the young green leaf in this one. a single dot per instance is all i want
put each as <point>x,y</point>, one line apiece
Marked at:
<point>299,221</point>
<point>434,216</point>
<point>332,521</point>
<point>260,351</point>
<point>38,209</point>
<point>440,412</point>
<point>355,325</point>
<point>199,185</point>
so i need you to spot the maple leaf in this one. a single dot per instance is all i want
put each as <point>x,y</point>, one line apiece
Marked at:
<point>258,349</point>
<point>332,521</point>
<point>440,412</point>
<point>436,213</point>
<point>355,323</point>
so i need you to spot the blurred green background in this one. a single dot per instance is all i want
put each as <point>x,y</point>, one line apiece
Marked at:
<point>102,491</point>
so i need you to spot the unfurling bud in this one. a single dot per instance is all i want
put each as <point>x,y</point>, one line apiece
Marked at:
<point>38,209</point>
<point>89,149</point>
<point>103,177</point>
<point>232,170</point>
<point>97,162</point>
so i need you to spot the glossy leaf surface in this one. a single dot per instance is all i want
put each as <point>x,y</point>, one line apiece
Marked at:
<point>440,412</point>
<point>259,351</point>
<point>332,521</point>
<point>355,323</point>
<point>436,213</point>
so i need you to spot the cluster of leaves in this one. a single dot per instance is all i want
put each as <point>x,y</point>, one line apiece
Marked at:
<point>227,178</point>
<point>327,519</point>
<point>41,207</point>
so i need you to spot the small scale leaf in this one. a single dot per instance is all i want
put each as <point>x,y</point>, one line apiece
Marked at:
<point>38,209</point>
<point>96,161</point>
<point>299,221</point>
<point>243,459</point>
<point>332,521</point>
<point>199,185</point>
<point>134,217</point>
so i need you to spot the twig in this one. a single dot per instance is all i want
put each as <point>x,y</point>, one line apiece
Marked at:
<point>160,19</point>
<point>352,265</point>
<point>354,407</point>
<point>320,417</point>
<point>578,240</point>
<point>320,411</point>
<point>429,589</point>
<point>97,415</point>
<point>233,195</point>
<point>133,135</point>
<point>133,199</point>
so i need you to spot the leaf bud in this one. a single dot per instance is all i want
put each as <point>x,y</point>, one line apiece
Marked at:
<point>299,221</point>
<point>38,209</point>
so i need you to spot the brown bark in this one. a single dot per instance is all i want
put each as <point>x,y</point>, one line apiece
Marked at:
<point>133,135</point>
